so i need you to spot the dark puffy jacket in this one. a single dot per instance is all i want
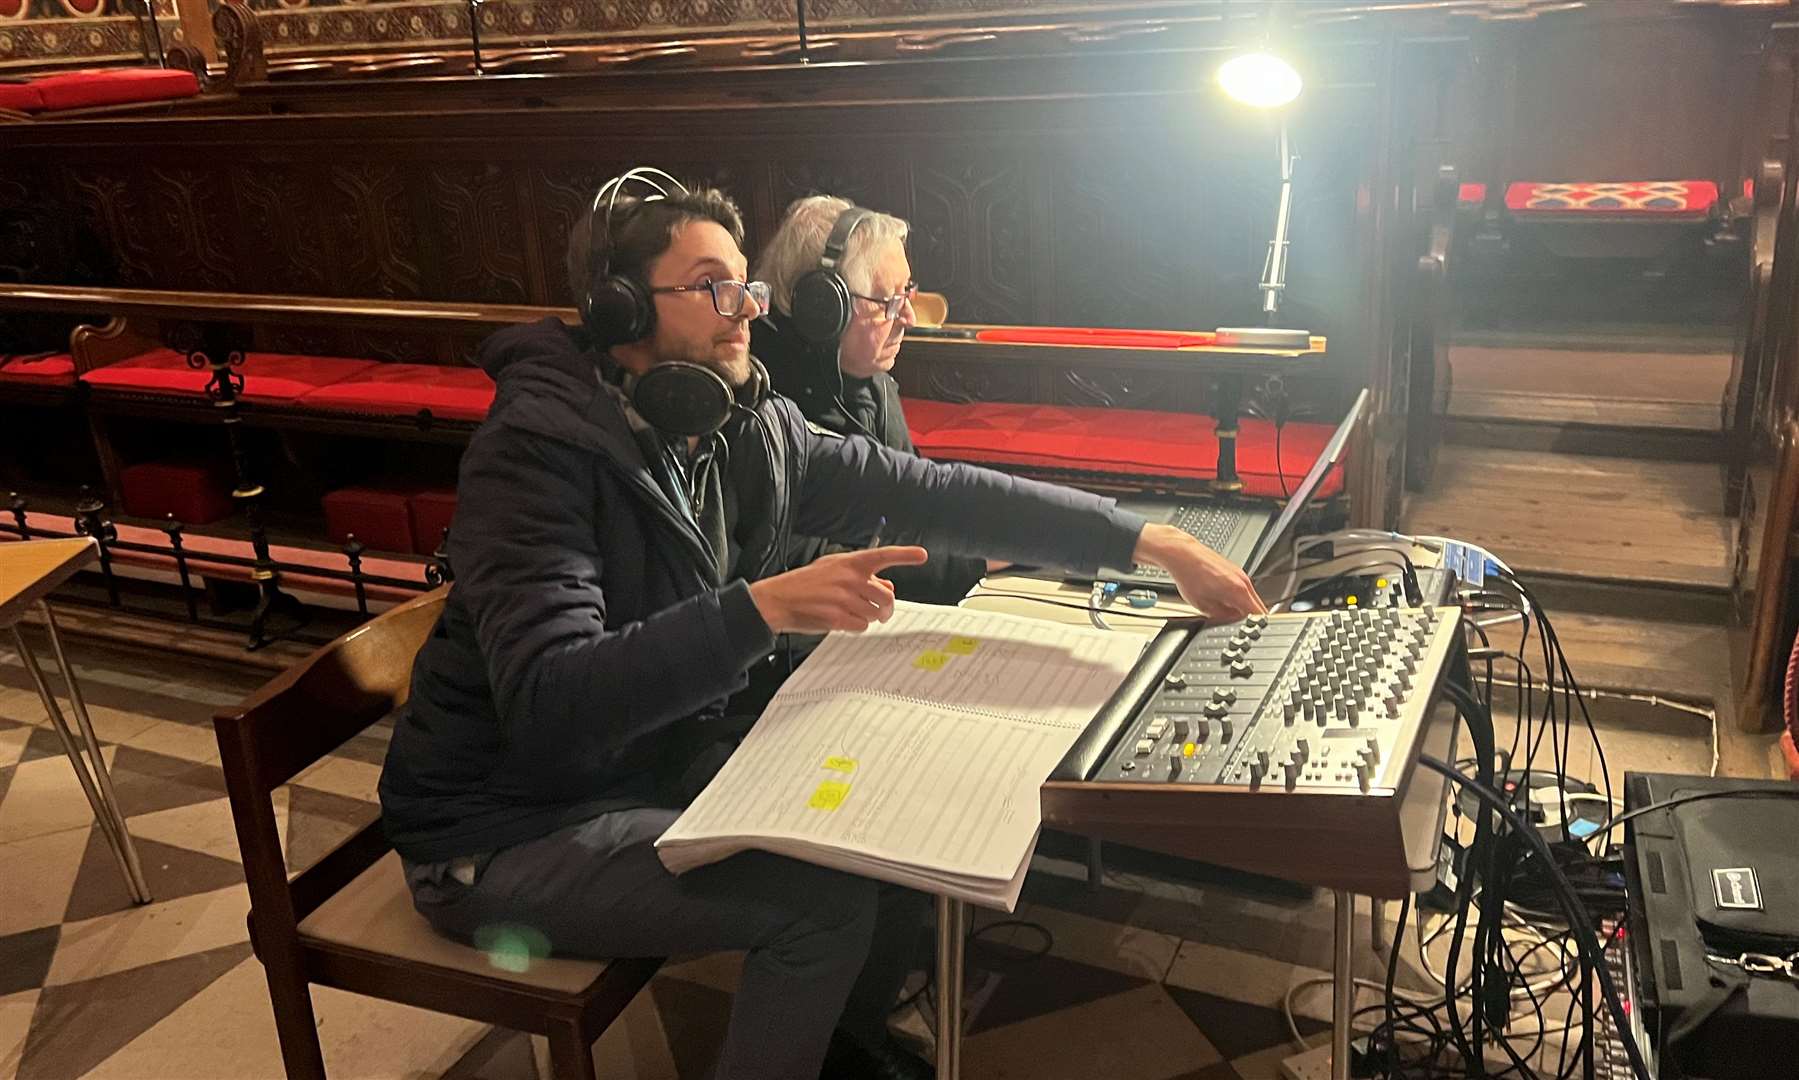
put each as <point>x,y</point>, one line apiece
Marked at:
<point>848,406</point>
<point>587,646</point>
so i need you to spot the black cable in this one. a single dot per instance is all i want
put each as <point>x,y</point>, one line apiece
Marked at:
<point>1581,928</point>
<point>1280,470</point>
<point>1108,612</point>
<point>1680,800</point>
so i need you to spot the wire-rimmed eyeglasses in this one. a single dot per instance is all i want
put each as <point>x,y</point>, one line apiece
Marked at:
<point>891,306</point>
<point>727,296</point>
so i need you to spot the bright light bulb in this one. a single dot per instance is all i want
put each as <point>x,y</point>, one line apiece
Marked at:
<point>1259,79</point>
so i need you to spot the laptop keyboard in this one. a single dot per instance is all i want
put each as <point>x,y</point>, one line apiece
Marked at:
<point>1210,524</point>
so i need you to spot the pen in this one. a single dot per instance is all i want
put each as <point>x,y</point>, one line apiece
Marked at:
<point>881,527</point>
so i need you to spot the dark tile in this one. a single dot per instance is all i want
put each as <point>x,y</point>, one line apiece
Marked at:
<point>172,872</point>
<point>1034,985</point>
<point>68,1037</point>
<point>500,1053</point>
<point>5,780</point>
<point>1237,1028</point>
<point>46,743</point>
<point>25,958</point>
<point>367,748</point>
<point>147,782</point>
<point>318,821</point>
<point>1223,1070</point>
<point>87,658</point>
<point>694,1018</point>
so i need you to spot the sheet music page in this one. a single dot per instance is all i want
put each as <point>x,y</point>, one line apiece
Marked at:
<point>900,781</point>
<point>1029,668</point>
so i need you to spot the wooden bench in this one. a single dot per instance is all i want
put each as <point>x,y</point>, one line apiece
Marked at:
<point>348,921</point>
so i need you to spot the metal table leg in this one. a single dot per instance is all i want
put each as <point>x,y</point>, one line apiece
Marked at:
<point>100,795</point>
<point>1342,984</point>
<point>949,988</point>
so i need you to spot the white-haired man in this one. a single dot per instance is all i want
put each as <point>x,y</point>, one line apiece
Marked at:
<point>832,351</point>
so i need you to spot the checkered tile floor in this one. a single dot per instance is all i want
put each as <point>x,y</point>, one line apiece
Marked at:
<point>1152,976</point>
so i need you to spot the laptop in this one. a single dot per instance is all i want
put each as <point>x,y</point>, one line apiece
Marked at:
<point>1244,532</point>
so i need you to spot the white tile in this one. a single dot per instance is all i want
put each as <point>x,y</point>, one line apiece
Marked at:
<point>1140,1033</point>
<point>184,741</point>
<point>343,776</point>
<point>1238,975</point>
<point>205,827</point>
<point>15,1024</point>
<point>1131,950</point>
<point>12,745</point>
<point>44,797</point>
<point>144,935</point>
<point>39,875</point>
<point>227,1032</point>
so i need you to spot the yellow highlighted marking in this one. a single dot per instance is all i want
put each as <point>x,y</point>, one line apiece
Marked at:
<point>840,764</point>
<point>931,660</point>
<point>962,646</point>
<point>829,796</point>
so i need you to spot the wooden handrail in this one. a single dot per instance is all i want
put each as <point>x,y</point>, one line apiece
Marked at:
<point>268,308</point>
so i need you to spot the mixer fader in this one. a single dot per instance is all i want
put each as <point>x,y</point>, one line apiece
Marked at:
<point>1323,700</point>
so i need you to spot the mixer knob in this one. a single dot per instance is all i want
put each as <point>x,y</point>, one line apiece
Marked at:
<point>1364,775</point>
<point>1225,694</point>
<point>1180,730</point>
<point>1252,632</point>
<point>1202,730</point>
<point>1216,709</point>
<point>1373,750</point>
<point>1175,681</point>
<point>1292,771</point>
<point>1256,621</point>
<point>1256,771</point>
<point>1392,707</point>
<point>1261,760</point>
<point>1302,748</point>
<point>1241,669</point>
<point>1405,680</point>
<point>1289,709</point>
<point>1224,730</point>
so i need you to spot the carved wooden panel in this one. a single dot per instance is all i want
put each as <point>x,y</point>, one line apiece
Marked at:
<point>561,194</point>
<point>865,181</point>
<point>1125,388</point>
<point>971,236</point>
<point>167,226</point>
<point>967,382</point>
<point>281,213</point>
<point>374,229</point>
<point>473,219</point>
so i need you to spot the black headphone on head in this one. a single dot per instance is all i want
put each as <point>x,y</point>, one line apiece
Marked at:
<point>821,298</point>
<point>677,398</point>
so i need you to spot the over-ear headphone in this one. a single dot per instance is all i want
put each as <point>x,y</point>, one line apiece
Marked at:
<point>684,400</point>
<point>616,308</point>
<point>821,298</point>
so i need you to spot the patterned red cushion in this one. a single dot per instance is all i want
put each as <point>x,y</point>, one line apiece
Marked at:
<point>451,393</point>
<point>1135,442</point>
<point>57,369</point>
<point>272,378</point>
<point>114,86</point>
<point>1654,198</point>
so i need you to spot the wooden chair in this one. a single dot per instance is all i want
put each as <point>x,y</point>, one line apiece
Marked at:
<point>348,921</point>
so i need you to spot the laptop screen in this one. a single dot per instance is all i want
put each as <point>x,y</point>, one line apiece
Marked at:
<point>1276,533</point>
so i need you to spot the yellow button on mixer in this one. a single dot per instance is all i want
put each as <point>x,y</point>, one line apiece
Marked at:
<point>1187,750</point>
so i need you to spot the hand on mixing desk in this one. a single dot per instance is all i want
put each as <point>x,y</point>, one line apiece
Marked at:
<point>833,592</point>
<point>1206,579</point>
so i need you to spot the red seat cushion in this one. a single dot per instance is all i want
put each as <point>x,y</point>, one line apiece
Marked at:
<point>114,86</point>
<point>452,393</point>
<point>273,378</point>
<point>431,514</point>
<point>1471,193</point>
<point>1099,337</point>
<point>57,369</point>
<point>20,97</point>
<point>195,492</point>
<point>1668,199</point>
<point>1178,446</point>
<point>377,516</point>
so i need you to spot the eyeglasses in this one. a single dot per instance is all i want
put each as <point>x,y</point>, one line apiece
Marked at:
<point>891,306</point>
<point>727,296</point>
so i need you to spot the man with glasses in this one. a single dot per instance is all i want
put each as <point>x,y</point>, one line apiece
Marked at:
<point>618,571</point>
<point>845,385</point>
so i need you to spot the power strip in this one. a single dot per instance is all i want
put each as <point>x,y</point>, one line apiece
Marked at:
<point>1313,1064</point>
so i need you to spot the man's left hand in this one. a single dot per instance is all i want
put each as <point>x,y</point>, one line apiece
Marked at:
<point>1206,579</point>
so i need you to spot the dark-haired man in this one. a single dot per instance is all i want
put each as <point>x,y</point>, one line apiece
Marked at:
<point>616,578</point>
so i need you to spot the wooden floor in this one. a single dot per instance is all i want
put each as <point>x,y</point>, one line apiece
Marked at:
<point>1609,387</point>
<point>1601,518</point>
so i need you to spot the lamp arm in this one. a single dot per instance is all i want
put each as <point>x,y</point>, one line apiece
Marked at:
<point>1274,270</point>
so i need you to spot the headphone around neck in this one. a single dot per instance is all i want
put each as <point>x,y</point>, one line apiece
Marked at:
<point>821,298</point>
<point>679,399</point>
